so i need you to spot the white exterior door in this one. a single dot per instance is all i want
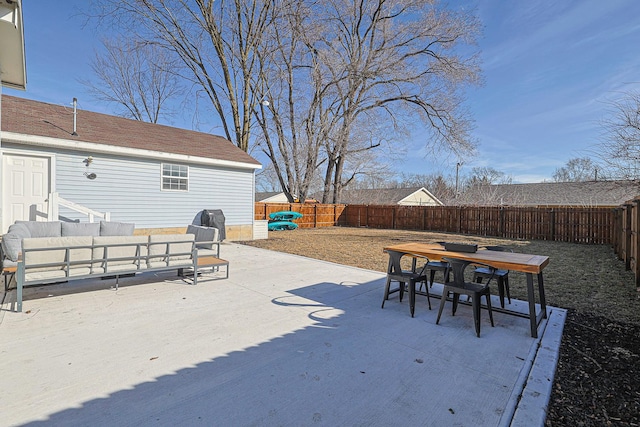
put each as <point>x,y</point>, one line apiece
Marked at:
<point>25,186</point>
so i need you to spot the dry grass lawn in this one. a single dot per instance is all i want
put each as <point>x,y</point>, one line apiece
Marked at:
<point>587,278</point>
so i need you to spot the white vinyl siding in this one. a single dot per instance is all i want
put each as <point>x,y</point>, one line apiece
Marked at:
<point>418,198</point>
<point>175,177</point>
<point>128,188</point>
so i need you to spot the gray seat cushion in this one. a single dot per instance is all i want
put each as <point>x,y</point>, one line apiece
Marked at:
<point>170,249</point>
<point>56,254</point>
<point>119,253</point>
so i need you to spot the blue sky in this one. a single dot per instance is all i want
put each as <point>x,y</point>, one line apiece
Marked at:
<point>550,68</point>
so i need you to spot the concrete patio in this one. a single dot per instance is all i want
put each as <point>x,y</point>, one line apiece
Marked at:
<point>286,340</point>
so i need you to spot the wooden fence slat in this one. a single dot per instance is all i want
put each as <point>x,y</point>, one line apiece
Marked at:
<point>591,225</point>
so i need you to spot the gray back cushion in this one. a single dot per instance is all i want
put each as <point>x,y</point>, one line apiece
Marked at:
<point>12,241</point>
<point>80,229</point>
<point>203,234</point>
<point>43,228</point>
<point>109,228</point>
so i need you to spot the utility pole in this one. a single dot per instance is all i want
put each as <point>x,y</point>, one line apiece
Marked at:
<point>457,177</point>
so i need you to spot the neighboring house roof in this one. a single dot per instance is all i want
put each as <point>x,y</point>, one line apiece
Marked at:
<point>389,196</point>
<point>37,123</point>
<point>13,70</point>
<point>271,196</point>
<point>585,193</point>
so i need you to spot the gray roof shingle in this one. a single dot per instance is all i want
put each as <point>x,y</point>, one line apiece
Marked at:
<point>23,116</point>
<point>377,196</point>
<point>585,193</point>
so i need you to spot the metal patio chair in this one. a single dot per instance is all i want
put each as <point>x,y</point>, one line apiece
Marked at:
<point>502,276</point>
<point>459,286</point>
<point>395,273</point>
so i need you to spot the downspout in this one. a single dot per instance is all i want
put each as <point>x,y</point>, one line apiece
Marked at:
<point>253,205</point>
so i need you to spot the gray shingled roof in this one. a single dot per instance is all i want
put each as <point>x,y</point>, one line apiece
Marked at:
<point>261,195</point>
<point>24,116</point>
<point>376,196</point>
<point>586,193</point>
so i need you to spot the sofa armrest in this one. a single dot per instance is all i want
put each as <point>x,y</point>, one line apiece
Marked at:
<point>211,248</point>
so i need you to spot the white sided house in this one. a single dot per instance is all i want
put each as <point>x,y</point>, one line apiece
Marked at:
<point>91,164</point>
<point>271,197</point>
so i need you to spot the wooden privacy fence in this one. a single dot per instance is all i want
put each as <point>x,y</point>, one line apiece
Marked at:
<point>314,215</point>
<point>592,225</point>
<point>567,224</point>
<point>625,239</point>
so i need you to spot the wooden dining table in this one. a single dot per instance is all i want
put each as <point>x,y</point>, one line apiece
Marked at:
<point>528,264</point>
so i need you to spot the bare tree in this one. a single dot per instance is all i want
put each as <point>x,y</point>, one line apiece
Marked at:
<point>480,195</point>
<point>376,181</point>
<point>292,128</point>
<point>394,61</point>
<point>136,77</point>
<point>482,187</point>
<point>326,82</point>
<point>487,176</point>
<point>216,42</point>
<point>444,188</point>
<point>620,148</point>
<point>577,169</point>
<point>266,179</point>
<point>296,115</point>
<point>344,78</point>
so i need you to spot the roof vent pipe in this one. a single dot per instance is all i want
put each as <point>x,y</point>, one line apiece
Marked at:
<point>75,115</point>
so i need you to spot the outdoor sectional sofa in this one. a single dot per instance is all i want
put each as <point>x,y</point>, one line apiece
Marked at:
<point>55,251</point>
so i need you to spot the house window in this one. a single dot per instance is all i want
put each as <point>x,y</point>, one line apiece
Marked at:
<point>175,177</point>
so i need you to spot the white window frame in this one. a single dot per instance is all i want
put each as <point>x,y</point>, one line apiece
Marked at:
<point>179,168</point>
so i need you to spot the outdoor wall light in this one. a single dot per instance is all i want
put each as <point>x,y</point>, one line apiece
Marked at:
<point>88,161</point>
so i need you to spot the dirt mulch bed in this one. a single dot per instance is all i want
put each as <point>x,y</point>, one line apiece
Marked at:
<point>598,374</point>
<point>597,381</point>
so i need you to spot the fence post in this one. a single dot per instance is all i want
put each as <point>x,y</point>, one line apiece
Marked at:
<point>393,217</point>
<point>367,216</point>
<point>315,216</point>
<point>635,241</point>
<point>627,235</point>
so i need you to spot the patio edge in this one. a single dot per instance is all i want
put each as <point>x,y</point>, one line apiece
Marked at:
<point>532,402</point>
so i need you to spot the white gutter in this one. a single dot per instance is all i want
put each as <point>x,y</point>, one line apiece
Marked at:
<point>91,147</point>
